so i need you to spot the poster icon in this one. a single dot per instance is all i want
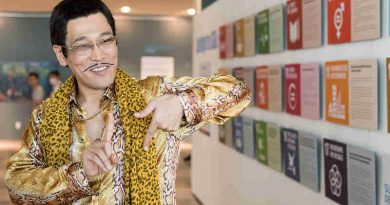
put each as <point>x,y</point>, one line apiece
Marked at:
<point>291,166</point>
<point>338,19</point>
<point>335,181</point>
<point>292,96</point>
<point>294,31</point>
<point>336,108</point>
<point>262,99</point>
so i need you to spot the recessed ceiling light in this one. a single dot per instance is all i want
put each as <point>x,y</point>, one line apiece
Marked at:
<point>191,11</point>
<point>125,9</point>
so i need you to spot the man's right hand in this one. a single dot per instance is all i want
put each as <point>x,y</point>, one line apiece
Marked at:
<point>99,156</point>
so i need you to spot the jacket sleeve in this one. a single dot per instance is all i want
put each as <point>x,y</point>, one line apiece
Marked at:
<point>214,99</point>
<point>30,181</point>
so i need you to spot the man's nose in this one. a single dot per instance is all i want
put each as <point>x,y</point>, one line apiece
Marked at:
<point>97,53</point>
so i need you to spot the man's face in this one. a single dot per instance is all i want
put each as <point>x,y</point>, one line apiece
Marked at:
<point>32,81</point>
<point>94,68</point>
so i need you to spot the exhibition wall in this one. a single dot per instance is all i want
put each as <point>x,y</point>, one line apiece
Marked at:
<point>322,59</point>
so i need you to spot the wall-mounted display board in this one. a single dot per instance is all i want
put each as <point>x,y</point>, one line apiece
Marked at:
<point>302,90</point>
<point>229,40</point>
<point>225,133</point>
<point>247,75</point>
<point>238,134</point>
<point>304,24</point>
<point>268,145</point>
<point>222,42</point>
<point>351,96</point>
<point>261,144</point>
<point>239,38</point>
<point>309,160</point>
<point>385,178</point>
<point>270,30</point>
<point>274,147</point>
<point>249,80</point>
<point>388,93</point>
<point>335,165</point>
<point>249,36</point>
<point>290,150</point>
<point>249,137</point>
<point>350,174</point>
<point>353,20</point>
<point>301,157</point>
<point>269,88</point>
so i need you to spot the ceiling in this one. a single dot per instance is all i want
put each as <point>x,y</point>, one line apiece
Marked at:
<point>138,7</point>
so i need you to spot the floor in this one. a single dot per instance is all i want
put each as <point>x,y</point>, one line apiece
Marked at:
<point>183,183</point>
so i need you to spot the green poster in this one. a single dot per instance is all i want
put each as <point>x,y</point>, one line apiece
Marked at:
<point>276,40</point>
<point>274,154</point>
<point>261,142</point>
<point>262,32</point>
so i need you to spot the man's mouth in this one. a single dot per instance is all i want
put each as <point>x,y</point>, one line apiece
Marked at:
<point>98,67</point>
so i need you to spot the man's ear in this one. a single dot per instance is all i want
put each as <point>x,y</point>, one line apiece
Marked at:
<point>60,55</point>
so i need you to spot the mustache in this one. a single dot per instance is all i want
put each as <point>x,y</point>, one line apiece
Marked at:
<point>108,64</point>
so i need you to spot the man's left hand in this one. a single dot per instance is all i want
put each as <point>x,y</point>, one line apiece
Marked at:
<point>167,115</point>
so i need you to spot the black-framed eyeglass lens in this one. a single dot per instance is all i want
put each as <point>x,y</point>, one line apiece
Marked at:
<point>86,49</point>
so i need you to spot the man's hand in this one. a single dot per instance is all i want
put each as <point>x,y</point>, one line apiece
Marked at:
<point>167,115</point>
<point>99,156</point>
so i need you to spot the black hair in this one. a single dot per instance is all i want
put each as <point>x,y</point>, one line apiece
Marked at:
<point>33,74</point>
<point>54,72</point>
<point>68,10</point>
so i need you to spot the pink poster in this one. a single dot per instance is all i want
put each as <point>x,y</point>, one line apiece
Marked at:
<point>310,91</point>
<point>292,89</point>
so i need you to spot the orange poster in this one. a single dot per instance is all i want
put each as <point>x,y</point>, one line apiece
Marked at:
<point>336,92</point>
<point>262,87</point>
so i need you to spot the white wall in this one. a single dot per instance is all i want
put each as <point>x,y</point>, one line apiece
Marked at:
<point>220,175</point>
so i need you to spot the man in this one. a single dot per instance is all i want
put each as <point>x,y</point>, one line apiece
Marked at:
<point>37,91</point>
<point>54,80</point>
<point>103,137</point>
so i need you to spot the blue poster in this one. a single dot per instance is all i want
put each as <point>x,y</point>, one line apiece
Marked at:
<point>238,134</point>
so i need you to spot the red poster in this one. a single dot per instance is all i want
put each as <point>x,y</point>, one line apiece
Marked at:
<point>262,87</point>
<point>294,24</point>
<point>222,42</point>
<point>339,21</point>
<point>292,89</point>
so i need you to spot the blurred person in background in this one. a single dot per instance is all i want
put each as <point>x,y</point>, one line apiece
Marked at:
<point>54,81</point>
<point>37,91</point>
